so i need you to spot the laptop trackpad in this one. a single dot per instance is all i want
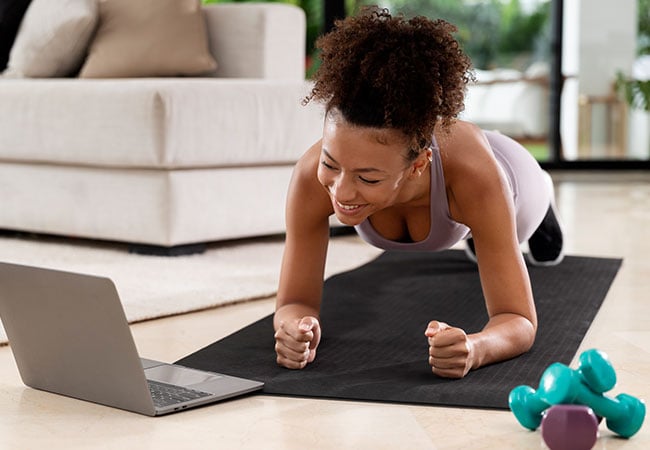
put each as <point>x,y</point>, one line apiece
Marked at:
<point>177,375</point>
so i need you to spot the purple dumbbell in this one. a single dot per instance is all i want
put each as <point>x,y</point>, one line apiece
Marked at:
<point>569,427</point>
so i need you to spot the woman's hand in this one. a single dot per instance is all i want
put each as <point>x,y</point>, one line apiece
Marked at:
<point>450,350</point>
<point>296,342</point>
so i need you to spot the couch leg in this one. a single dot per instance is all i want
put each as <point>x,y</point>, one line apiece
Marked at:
<point>176,250</point>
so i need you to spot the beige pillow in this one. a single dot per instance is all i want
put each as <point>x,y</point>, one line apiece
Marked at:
<point>52,39</point>
<point>149,38</point>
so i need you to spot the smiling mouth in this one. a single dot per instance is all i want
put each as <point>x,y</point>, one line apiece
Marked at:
<point>349,208</point>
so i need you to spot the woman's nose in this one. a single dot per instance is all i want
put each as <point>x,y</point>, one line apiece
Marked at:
<point>342,189</point>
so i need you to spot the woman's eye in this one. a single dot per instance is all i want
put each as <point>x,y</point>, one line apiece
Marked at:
<point>367,181</point>
<point>328,166</point>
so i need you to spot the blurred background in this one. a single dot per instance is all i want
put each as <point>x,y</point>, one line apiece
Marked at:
<point>570,79</point>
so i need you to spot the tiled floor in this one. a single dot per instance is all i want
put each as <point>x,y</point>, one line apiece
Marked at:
<point>604,215</point>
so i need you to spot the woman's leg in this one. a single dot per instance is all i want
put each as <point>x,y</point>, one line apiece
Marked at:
<point>546,243</point>
<point>533,196</point>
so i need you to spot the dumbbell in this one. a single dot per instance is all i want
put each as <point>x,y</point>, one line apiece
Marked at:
<point>594,368</point>
<point>527,406</point>
<point>569,427</point>
<point>596,371</point>
<point>560,384</point>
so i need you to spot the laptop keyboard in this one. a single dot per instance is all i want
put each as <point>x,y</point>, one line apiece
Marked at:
<point>167,394</point>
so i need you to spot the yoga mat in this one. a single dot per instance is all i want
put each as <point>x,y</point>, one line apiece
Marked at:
<point>374,317</point>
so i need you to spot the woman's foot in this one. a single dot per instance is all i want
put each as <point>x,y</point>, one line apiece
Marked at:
<point>546,244</point>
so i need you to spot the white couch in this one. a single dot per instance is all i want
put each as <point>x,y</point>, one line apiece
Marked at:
<point>164,161</point>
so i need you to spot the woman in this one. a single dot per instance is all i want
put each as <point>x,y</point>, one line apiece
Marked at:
<point>396,163</point>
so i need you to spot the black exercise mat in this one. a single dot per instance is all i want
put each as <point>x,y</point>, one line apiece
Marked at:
<point>374,317</point>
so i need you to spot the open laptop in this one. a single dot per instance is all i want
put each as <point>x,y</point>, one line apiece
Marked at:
<point>69,335</point>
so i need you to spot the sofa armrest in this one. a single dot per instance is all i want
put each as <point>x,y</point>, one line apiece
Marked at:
<point>257,40</point>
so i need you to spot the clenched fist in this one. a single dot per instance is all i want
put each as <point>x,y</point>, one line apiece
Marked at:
<point>296,342</point>
<point>450,350</point>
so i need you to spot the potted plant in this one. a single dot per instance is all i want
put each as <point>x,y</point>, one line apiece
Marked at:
<point>635,92</point>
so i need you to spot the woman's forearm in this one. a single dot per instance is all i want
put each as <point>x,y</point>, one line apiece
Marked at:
<point>504,337</point>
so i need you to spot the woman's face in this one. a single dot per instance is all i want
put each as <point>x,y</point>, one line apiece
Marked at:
<point>362,169</point>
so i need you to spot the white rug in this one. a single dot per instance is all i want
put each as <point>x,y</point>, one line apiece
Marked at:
<point>152,287</point>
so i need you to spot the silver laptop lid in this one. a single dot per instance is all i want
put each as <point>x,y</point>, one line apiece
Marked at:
<point>60,326</point>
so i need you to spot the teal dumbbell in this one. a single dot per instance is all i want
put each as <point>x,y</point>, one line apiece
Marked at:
<point>561,385</point>
<point>527,406</point>
<point>597,371</point>
<point>594,369</point>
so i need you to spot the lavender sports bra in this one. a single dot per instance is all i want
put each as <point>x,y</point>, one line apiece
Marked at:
<point>443,233</point>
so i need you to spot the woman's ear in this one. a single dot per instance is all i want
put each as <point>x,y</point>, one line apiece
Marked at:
<point>429,154</point>
<point>421,163</point>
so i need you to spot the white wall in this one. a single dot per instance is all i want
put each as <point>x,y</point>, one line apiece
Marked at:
<point>599,39</point>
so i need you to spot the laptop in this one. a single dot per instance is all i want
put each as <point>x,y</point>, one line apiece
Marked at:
<point>69,335</point>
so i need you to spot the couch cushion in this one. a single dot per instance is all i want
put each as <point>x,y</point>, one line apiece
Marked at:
<point>52,39</point>
<point>149,38</point>
<point>11,14</point>
<point>160,122</point>
<point>257,40</point>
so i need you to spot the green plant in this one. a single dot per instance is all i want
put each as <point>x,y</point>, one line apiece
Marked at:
<point>494,33</point>
<point>635,92</point>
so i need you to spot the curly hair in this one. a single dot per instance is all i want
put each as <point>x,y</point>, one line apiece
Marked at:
<point>391,72</point>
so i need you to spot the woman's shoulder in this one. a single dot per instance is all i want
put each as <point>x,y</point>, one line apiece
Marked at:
<point>470,177</point>
<point>305,189</point>
<point>307,164</point>
<point>464,149</point>
<point>470,168</point>
<point>458,136</point>
<point>305,172</point>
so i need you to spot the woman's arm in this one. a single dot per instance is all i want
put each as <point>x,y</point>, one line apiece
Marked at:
<point>303,264</point>
<point>479,197</point>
